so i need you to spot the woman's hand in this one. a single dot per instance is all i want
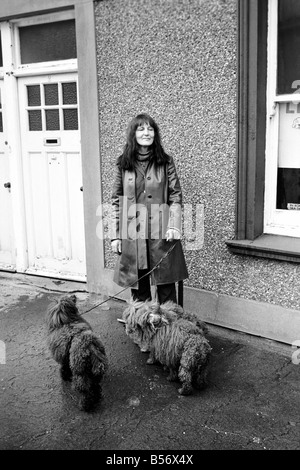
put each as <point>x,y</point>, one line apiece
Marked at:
<point>116,246</point>
<point>172,234</point>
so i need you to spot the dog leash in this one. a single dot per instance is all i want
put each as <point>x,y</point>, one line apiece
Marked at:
<point>130,285</point>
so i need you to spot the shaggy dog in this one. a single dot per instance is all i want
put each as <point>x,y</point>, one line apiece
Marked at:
<point>136,314</point>
<point>77,349</point>
<point>175,339</point>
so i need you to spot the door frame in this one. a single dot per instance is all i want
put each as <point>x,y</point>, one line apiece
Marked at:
<point>11,116</point>
<point>11,121</point>
<point>98,278</point>
<point>8,265</point>
<point>12,71</point>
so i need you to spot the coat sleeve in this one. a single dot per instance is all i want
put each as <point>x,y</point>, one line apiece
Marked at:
<point>117,193</point>
<point>174,196</point>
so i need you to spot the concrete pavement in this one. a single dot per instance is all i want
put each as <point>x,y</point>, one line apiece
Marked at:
<point>251,402</point>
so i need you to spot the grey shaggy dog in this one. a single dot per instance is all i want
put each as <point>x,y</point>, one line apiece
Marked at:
<point>77,349</point>
<point>136,314</point>
<point>175,339</point>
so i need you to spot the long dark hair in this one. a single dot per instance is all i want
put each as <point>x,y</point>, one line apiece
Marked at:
<point>128,157</point>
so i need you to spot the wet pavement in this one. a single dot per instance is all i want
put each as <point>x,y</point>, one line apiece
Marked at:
<point>251,401</point>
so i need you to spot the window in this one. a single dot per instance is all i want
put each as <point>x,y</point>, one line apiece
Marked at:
<point>52,106</point>
<point>44,40</point>
<point>282,197</point>
<point>267,215</point>
<point>48,42</point>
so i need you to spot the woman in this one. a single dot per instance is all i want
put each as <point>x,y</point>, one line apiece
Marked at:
<point>146,202</point>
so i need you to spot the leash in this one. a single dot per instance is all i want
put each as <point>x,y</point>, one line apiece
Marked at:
<point>127,287</point>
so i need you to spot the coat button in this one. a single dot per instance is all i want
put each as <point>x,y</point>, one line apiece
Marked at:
<point>149,196</point>
<point>148,177</point>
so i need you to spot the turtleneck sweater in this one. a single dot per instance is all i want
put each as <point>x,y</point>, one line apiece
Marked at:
<point>142,160</point>
<point>144,156</point>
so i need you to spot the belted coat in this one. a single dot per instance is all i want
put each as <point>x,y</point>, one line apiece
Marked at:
<point>141,216</point>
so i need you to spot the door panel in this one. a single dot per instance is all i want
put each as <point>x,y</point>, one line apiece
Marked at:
<point>52,175</point>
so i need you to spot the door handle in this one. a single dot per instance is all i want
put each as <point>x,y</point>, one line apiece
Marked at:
<point>81,188</point>
<point>7,185</point>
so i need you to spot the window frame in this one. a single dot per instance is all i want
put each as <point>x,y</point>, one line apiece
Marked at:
<point>250,238</point>
<point>68,65</point>
<point>1,67</point>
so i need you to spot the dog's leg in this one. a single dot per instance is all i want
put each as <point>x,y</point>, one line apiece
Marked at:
<point>185,377</point>
<point>96,390</point>
<point>83,385</point>
<point>85,403</point>
<point>186,389</point>
<point>200,377</point>
<point>200,380</point>
<point>173,375</point>
<point>193,363</point>
<point>151,359</point>
<point>144,346</point>
<point>65,372</point>
<point>93,396</point>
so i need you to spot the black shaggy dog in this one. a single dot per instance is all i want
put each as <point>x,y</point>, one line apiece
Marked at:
<point>77,349</point>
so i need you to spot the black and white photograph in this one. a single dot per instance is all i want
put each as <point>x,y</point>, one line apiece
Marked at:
<point>149,229</point>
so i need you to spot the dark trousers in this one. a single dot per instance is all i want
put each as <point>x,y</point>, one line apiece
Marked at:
<point>165,292</point>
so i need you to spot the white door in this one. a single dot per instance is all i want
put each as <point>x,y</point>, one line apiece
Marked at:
<point>52,175</point>
<point>7,255</point>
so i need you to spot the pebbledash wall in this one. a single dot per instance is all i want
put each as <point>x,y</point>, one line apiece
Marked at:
<point>177,61</point>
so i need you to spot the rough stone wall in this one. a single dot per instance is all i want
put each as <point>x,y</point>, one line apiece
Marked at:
<point>177,61</point>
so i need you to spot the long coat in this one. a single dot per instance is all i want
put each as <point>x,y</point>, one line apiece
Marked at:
<point>157,209</point>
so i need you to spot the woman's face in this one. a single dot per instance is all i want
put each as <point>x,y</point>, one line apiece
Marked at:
<point>144,135</point>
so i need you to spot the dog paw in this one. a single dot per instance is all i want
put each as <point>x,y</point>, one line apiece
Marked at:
<point>172,378</point>
<point>87,405</point>
<point>150,361</point>
<point>185,390</point>
<point>66,376</point>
